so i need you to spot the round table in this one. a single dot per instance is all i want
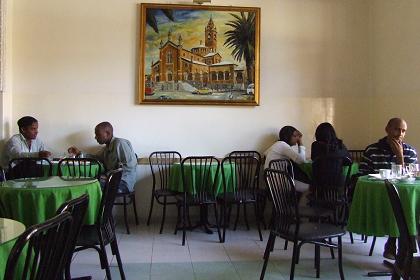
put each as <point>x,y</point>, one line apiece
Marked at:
<point>371,211</point>
<point>9,231</point>
<point>34,201</point>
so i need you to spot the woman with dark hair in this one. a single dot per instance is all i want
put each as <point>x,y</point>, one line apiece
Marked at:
<point>327,142</point>
<point>290,147</point>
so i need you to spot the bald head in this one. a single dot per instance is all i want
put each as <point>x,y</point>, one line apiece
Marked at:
<point>396,128</point>
<point>104,133</point>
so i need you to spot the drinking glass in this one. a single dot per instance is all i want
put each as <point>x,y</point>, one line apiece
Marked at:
<point>396,170</point>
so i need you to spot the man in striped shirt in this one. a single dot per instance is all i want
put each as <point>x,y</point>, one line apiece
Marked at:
<point>381,155</point>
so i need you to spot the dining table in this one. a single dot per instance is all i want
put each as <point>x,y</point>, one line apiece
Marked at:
<point>65,169</point>
<point>371,212</point>
<point>32,201</point>
<point>306,167</point>
<point>9,231</point>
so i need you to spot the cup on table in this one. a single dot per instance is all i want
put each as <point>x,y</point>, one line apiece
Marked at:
<point>397,170</point>
<point>413,167</point>
<point>385,173</point>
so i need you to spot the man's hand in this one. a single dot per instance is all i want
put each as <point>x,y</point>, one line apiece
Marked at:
<point>73,151</point>
<point>44,154</point>
<point>397,149</point>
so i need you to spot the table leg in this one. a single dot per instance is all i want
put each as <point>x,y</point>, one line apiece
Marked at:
<point>388,265</point>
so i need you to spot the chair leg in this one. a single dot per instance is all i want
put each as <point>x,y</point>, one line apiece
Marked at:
<point>317,260</point>
<point>331,249</point>
<point>372,246</point>
<point>267,254</point>
<point>351,238</point>
<point>223,218</point>
<point>125,214</point>
<point>104,258</point>
<point>221,240</point>
<point>285,245</point>
<point>133,199</point>
<point>163,215</point>
<point>151,208</point>
<point>116,251</point>
<point>184,210</point>
<point>238,208</point>
<point>294,261</point>
<point>340,258</point>
<point>257,218</point>
<point>246,217</point>
<point>178,219</point>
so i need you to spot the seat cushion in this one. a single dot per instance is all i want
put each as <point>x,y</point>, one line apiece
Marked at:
<point>89,236</point>
<point>312,231</point>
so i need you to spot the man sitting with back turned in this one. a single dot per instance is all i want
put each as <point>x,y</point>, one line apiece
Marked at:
<point>117,153</point>
<point>26,143</point>
<point>380,155</point>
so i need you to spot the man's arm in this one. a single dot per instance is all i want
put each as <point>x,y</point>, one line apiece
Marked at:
<point>366,163</point>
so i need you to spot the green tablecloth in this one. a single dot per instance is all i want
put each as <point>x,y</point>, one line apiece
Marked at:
<point>9,231</point>
<point>371,211</point>
<point>39,202</point>
<point>307,168</point>
<point>175,180</point>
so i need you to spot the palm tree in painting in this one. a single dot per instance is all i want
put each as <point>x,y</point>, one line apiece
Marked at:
<point>242,39</point>
<point>151,17</point>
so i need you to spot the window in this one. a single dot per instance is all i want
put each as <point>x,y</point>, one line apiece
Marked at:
<point>169,57</point>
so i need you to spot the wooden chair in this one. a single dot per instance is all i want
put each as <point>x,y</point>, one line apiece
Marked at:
<point>356,155</point>
<point>30,167</point>
<point>199,175</point>
<point>406,265</point>
<point>79,168</point>
<point>45,247</point>
<point>77,208</point>
<point>242,179</point>
<point>288,225</point>
<point>161,163</point>
<point>102,233</point>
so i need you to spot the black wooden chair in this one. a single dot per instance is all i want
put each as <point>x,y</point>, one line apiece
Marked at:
<point>242,178</point>
<point>406,265</point>
<point>77,208</point>
<point>30,167</point>
<point>199,174</point>
<point>102,233</point>
<point>161,163</point>
<point>2,175</point>
<point>44,245</point>
<point>287,224</point>
<point>79,168</point>
<point>356,155</point>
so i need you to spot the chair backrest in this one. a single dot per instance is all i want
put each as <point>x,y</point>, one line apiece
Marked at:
<point>77,208</point>
<point>282,165</point>
<point>285,202</point>
<point>243,175</point>
<point>246,153</point>
<point>79,168</point>
<point>30,167</point>
<point>199,174</point>
<point>161,163</point>
<point>2,175</point>
<point>331,177</point>
<point>405,246</point>
<point>356,155</point>
<point>44,245</point>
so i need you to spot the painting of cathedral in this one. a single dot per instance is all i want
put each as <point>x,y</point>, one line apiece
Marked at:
<point>199,55</point>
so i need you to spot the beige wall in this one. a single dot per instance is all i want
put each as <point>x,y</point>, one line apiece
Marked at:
<point>73,64</point>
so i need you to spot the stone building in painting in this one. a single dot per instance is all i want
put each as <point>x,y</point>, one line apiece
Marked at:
<point>202,66</point>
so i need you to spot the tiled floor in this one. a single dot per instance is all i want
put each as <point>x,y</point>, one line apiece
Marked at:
<point>146,254</point>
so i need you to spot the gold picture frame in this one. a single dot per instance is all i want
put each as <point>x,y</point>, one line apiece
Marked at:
<point>199,55</point>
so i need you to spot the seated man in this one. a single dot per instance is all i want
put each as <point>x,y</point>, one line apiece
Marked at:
<point>26,143</point>
<point>381,155</point>
<point>117,153</point>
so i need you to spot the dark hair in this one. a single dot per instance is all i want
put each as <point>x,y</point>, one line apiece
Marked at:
<point>325,133</point>
<point>26,121</point>
<point>286,133</point>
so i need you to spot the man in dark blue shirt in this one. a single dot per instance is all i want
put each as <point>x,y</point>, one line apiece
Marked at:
<point>381,155</point>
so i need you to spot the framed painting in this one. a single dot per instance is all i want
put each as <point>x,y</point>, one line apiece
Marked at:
<point>199,55</point>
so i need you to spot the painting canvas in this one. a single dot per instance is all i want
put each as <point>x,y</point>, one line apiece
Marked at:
<point>198,55</point>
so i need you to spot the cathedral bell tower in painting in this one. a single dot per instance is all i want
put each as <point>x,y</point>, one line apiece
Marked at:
<point>211,36</point>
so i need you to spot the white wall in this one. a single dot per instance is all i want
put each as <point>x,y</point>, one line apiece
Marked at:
<point>74,65</point>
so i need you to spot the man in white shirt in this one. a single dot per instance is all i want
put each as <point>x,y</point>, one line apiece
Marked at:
<point>26,143</point>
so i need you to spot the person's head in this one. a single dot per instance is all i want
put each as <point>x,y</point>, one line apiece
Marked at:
<point>396,128</point>
<point>104,133</point>
<point>325,133</point>
<point>28,127</point>
<point>289,134</point>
